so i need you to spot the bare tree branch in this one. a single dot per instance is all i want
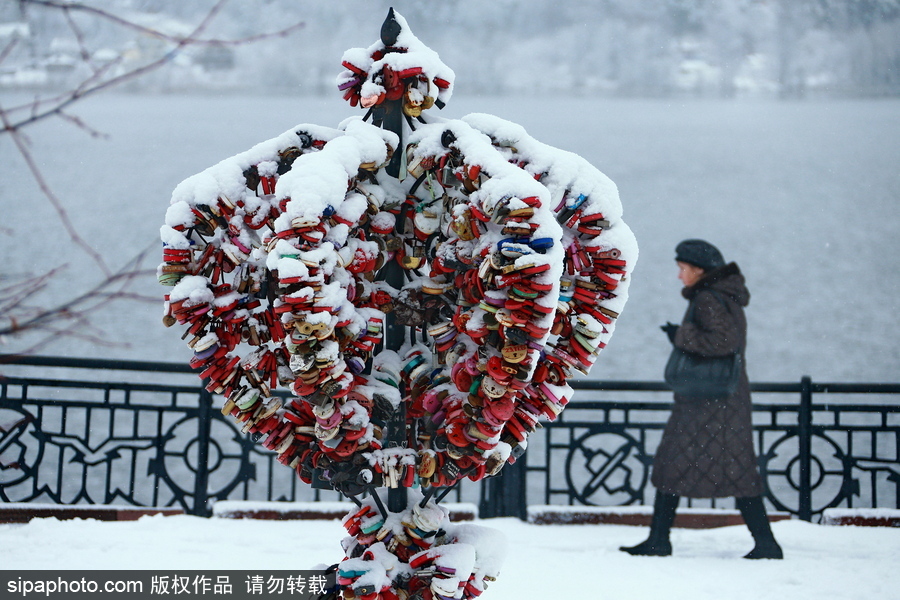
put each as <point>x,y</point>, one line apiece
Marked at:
<point>93,85</point>
<point>110,289</point>
<point>48,193</point>
<point>20,310</point>
<point>79,37</point>
<point>194,40</point>
<point>14,296</point>
<point>7,49</point>
<point>78,122</point>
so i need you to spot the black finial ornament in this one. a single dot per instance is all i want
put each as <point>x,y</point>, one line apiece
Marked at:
<point>390,113</point>
<point>390,29</point>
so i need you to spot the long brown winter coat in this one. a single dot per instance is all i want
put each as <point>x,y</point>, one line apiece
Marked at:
<point>707,447</point>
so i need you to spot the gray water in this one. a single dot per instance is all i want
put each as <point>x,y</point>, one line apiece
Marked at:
<point>802,195</point>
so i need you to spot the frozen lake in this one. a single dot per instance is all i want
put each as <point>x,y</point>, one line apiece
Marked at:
<point>803,195</point>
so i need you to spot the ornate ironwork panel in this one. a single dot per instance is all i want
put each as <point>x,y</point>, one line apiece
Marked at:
<point>842,454</point>
<point>72,441</point>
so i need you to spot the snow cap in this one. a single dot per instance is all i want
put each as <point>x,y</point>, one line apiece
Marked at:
<point>699,253</point>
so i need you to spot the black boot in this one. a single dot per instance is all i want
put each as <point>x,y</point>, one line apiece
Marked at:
<point>754,513</point>
<point>658,544</point>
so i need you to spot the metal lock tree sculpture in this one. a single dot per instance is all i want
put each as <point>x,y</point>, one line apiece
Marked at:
<point>423,287</point>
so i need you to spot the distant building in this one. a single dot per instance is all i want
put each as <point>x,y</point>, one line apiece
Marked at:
<point>214,58</point>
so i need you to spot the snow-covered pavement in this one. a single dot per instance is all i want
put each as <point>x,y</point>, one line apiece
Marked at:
<point>543,561</point>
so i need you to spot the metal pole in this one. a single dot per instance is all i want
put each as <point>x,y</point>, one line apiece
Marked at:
<point>804,434</point>
<point>390,115</point>
<point>394,337</point>
<point>395,334</point>
<point>393,121</point>
<point>204,426</point>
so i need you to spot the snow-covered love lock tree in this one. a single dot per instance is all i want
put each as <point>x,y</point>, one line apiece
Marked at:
<point>423,287</point>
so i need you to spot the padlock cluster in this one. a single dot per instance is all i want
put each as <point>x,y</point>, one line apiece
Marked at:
<point>519,297</point>
<point>515,266</point>
<point>397,67</point>
<point>272,295</point>
<point>415,554</point>
<point>486,305</point>
<point>600,251</point>
<point>213,258</point>
<point>509,296</point>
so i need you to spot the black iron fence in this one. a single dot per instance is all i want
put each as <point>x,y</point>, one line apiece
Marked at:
<point>84,436</point>
<point>842,450</point>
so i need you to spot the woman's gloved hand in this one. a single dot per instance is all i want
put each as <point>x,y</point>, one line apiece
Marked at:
<point>671,329</point>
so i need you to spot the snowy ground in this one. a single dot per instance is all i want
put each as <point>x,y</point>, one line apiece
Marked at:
<point>803,195</point>
<point>543,561</point>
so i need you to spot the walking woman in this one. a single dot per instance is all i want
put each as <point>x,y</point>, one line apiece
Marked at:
<point>707,447</point>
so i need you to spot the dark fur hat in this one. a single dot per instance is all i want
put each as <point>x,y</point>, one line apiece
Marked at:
<point>699,253</point>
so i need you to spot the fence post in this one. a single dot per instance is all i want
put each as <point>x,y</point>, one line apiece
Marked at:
<point>804,434</point>
<point>505,494</point>
<point>204,425</point>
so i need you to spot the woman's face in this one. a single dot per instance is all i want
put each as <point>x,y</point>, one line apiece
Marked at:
<point>689,274</point>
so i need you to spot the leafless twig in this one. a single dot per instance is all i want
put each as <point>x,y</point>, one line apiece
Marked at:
<point>95,84</point>
<point>7,49</point>
<point>16,316</point>
<point>58,206</point>
<point>20,311</point>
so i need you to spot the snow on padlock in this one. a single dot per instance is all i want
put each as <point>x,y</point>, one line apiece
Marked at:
<point>501,277</point>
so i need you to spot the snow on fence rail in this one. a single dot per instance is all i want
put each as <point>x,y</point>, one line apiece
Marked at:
<point>83,438</point>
